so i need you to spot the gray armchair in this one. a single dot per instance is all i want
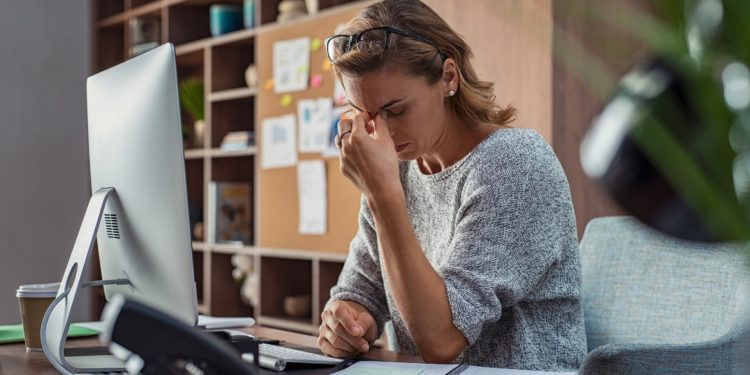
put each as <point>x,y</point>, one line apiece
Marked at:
<point>656,305</point>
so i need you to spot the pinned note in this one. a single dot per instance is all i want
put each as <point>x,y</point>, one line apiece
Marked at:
<point>326,65</point>
<point>269,84</point>
<point>314,117</point>
<point>316,81</point>
<point>333,130</point>
<point>279,142</point>
<point>291,65</point>
<point>315,44</point>
<point>311,187</point>
<point>286,100</point>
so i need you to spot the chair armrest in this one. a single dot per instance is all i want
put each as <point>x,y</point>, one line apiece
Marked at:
<point>725,355</point>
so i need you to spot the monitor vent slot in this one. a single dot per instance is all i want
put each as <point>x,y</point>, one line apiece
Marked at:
<point>113,228</point>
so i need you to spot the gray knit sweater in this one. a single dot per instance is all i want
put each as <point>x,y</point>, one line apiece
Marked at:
<point>498,226</point>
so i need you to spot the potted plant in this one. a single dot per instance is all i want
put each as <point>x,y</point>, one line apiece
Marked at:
<point>192,101</point>
<point>681,118</point>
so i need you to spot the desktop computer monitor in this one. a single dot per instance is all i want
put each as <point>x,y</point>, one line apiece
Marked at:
<point>135,146</point>
<point>138,211</point>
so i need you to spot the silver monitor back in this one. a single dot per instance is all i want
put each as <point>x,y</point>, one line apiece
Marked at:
<point>135,146</point>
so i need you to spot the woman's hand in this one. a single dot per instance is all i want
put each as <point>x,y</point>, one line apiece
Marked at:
<point>368,156</point>
<point>346,329</point>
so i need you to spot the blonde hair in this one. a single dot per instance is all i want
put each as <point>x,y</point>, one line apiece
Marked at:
<point>474,99</point>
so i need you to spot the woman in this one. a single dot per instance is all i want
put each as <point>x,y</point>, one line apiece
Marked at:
<point>467,238</point>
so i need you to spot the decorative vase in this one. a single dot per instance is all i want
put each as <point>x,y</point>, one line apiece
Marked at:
<point>199,132</point>
<point>291,9</point>
<point>224,19</point>
<point>251,76</point>
<point>312,6</point>
<point>249,9</point>
<point>298,306</point>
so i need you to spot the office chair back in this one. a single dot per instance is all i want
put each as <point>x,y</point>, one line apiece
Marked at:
<point>639,286</point>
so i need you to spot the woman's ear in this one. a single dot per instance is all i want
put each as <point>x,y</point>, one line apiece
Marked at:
<point>450,77</point>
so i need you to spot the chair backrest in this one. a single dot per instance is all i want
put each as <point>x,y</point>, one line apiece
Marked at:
<point>639,286</point>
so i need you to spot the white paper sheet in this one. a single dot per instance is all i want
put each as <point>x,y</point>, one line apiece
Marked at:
<point>314,122</point>
<point>279,147</point>
<point>395,368</point>
<point>311,185</point>
<point>291,65</point>
<point>333,130</point>
<point>474,370</point>
<point>398,368</point>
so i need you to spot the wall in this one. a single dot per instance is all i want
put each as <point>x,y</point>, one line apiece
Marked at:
<point>517,45</point>
<point>577,101</point>
<point>511,41</point>
<point>44,185</point>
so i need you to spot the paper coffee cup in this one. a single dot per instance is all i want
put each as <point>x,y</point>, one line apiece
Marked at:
<point>34,299</point>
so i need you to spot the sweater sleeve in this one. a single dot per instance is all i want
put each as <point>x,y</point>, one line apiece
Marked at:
<point>361,280</point>
<point>506,238</point>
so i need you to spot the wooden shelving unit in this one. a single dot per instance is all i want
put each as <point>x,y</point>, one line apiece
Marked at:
<point>229,106</point>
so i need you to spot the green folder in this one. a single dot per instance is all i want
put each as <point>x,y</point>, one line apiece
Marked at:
<point>14,333</point>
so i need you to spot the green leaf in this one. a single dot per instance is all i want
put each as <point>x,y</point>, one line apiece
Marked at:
<point>192,98</point>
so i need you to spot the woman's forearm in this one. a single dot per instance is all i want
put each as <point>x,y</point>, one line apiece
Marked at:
<point>418,290</point>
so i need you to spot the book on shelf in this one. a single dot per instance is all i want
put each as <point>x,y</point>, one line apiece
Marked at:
<point>237,141</point>
<point>230,214</point>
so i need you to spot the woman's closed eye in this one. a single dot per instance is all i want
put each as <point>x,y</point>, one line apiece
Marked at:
<point>388,113</point>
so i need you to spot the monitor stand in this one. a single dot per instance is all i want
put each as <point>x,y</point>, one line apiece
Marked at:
<point>56,322</point>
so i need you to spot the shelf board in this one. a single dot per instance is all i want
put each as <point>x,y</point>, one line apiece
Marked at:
<point>192,2</point>
<point>190,47</point>
<point>200,246</point>
<point>344,8</point>
<point>299,325</point>
<point>247,34</point>
<point>240,93</point>
<point>233,249</point>
<point>242,35</point>
<point>300,254</point>
<point>274,252</point>
<point>114,20</point>
<point>196,153</point>
<point>219,153</point>
<point>145,9</point>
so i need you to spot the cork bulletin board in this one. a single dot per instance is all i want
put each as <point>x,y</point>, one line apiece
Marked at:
<point>278,202</point>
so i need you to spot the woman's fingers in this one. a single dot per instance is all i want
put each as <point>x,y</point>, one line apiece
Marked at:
<point>344,129</point>
<point>338,330</point>
<point>359,125</point>
<point>331,350</point>
<point>345,125</point>
<point>339,342</point>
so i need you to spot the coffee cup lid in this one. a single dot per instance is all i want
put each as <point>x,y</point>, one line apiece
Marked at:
<point>38,290</point>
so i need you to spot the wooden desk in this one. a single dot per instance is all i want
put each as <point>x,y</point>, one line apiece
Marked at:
<point>14,359</point>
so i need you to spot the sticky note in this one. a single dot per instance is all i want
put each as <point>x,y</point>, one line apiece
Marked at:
<point>326,65</point>
<point>286,100</point>
<point>269,84</point>
<point>315,44</point>
<point>316,80</point>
